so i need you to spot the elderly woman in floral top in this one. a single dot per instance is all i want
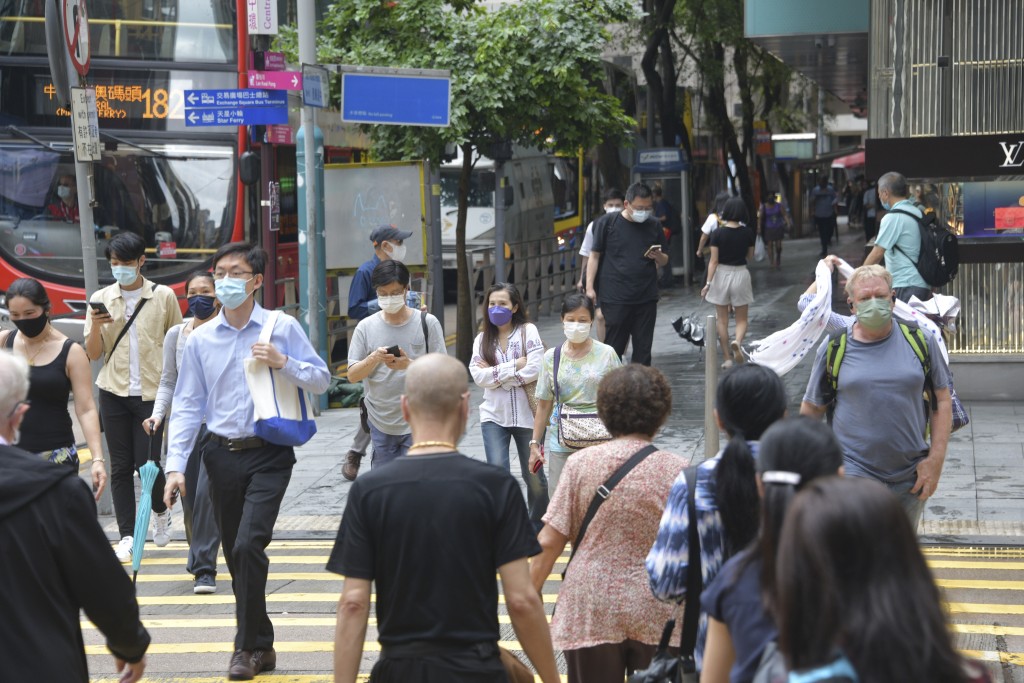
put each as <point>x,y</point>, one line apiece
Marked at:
<point>607,622</point>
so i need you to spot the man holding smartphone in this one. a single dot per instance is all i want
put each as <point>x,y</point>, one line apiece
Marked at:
<point>628,249</point>
<point>383,345</point>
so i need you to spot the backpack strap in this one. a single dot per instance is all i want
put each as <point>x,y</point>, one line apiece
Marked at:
<point>834,354</point>
<point>558,354</point>
<point>917,220</point>
<point>915,337</point>
<point>426,335</point>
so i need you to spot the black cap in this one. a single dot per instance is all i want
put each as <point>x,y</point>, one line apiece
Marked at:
<point>388,233</point>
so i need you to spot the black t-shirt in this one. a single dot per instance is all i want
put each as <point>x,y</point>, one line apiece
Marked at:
<point>625,275</point>
<point>431,530</point>
<point>733,244</point>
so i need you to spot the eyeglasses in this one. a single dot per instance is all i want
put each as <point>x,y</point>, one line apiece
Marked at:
<point>16,406</point>
<point>235,274</point>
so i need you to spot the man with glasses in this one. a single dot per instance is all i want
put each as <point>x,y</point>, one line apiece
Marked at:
<point>383,346</point>
<point>55,562</point>
<point>248,476</point>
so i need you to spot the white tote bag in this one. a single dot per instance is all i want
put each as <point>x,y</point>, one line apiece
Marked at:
<point>282,412</point>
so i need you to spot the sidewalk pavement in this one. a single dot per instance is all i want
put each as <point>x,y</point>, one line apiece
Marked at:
<point>980,498</point>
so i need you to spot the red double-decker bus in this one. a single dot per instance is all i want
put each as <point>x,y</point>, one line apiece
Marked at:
<point>176,187</point>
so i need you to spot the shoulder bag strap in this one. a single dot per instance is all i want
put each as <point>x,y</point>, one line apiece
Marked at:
<point>603,491</point>
<point>268,326</point>
<point>9,339</point>
<point>558,353</point>
<point>426,336</point>
<point>124,330</point>
<point>694,579</point>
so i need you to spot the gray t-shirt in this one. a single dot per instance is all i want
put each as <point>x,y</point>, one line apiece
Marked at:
<point>879,418</point>
<point>383,387</point>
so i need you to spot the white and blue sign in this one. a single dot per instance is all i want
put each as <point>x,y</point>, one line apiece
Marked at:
<point>395,99</point>
<point>239,97</point>
<point>252,116</point>
<point>316,86</point>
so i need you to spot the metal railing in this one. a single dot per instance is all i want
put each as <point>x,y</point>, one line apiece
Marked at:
<point>991,308</point>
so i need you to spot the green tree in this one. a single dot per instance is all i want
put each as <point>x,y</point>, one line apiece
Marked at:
<point>528,73</point>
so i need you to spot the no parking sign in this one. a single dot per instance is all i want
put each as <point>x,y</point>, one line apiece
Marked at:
<point>76,33</point>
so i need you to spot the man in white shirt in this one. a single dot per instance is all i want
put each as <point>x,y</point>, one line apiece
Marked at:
<point>613,199</point>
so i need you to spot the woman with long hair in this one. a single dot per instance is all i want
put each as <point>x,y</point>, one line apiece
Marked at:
<point>583,361</point>
<point>57,367</point>
<point>749,399</point>
<point>728,285</point>
<point>507,357</point>
<point>854,592</point>
<point>793,452</point>
<point>197,511</point>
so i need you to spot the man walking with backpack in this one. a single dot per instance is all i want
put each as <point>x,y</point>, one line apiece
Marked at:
<point>875,404</point>
<point>899,239</point>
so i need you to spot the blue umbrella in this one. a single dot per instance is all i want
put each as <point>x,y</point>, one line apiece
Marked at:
<point>147,474</point>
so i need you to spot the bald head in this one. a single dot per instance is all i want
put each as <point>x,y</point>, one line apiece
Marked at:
<point>13,385</point>
<point>434,386</point>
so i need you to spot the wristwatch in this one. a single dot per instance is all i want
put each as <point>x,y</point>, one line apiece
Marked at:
<point>534,442</point>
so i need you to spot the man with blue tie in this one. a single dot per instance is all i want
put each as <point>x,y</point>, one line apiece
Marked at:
<point>248,476</point>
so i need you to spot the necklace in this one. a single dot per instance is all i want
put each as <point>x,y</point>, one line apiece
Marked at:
<point>42,345</point>
<point>431,444</point>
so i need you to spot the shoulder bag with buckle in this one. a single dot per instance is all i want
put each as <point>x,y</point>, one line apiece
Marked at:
<point>577,429</point>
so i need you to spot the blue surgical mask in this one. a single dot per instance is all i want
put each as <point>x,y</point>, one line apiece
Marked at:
<point>499,315</point>
<point>202,306</point>
<point>231,292</point>
<point>125,275</point>
<point>640,216</point>
<point>886,205</point>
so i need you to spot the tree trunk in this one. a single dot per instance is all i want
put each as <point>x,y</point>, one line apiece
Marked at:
<point>464,308</point>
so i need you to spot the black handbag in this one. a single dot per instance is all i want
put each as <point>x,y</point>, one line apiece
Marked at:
<point>666,667</point>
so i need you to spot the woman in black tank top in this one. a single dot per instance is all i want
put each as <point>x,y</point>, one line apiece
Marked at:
<point>57,367</point>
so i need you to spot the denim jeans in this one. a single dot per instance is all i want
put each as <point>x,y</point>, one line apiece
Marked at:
<point>496,444</point>
<point>387,447</point>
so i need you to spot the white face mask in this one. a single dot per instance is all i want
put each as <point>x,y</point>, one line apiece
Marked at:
<point>397,252</point>
<point>64,192</point>
<point>577,333</point>
<point>391,304</point>
<point>612,209</point>
<point>640,216</point>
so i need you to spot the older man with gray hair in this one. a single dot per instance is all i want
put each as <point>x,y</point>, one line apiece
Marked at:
<point>56,560</point>
<point>899,239</point>
<point>871,379</point>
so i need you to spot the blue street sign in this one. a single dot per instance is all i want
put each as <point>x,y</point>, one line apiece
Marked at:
<point>239,97</point>
<point>315,86</point>
<point>250,116</point>
<point>395,99</point>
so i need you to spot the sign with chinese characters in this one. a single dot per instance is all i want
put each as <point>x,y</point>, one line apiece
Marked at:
<point>85,125</point>
<point>280,135</point>
<point>316,86</point>
<point>237,97</point>
<point>396,97</point>
<point>276,80</point>
<point>261,17</point>
<point>250,116</point>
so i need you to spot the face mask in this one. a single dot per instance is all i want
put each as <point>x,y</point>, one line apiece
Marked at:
<point>577,333</point>
<point>612,209</point>
<point>499,315</point>
<point>397,252</point>
<point>32,327</point>
<point>874,314</point>
<point>64,192</point>
<point>641,216</point>
<point>202,306</point>
<point>886,205</point>
<point>231,292</point>
<point>125,275</point>
<point>391,304</point>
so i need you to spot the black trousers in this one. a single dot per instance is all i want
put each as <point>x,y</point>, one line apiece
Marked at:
<point>826,226</point>
<point>130,447</point>
<point>197,513</point>
<point>246,489</point>
<point>417,664</point>
<point>625,321</point>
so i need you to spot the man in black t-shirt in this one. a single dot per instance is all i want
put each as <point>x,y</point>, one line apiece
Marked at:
<point>430,534</point>
<point>628,249</point>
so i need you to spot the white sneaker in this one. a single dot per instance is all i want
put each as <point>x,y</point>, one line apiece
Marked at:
<point>162,530</point>
<point>124,549</point>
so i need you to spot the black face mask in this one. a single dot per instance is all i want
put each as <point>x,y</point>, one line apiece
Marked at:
<point>32,327</point>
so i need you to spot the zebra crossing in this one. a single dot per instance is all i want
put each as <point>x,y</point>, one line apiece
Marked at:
<point>192,634</point>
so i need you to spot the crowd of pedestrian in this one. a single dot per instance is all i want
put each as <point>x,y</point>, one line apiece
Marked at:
<point>784,540</point>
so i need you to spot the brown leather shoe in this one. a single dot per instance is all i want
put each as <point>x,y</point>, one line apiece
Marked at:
<point>351,467</point>
<point>263,660</point>
<point>241,666</point>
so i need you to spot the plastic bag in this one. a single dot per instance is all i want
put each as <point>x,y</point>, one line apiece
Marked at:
<point>760,253</point>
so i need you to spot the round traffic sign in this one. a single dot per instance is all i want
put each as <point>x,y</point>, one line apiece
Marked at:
<point>76,33</point>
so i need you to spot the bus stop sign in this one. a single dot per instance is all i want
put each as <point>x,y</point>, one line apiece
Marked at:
<point>76,33</point>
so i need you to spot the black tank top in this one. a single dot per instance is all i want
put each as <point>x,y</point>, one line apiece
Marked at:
<point>47,424</point>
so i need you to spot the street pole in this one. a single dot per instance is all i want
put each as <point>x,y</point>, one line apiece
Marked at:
<point>307,232</point>
<point>499,222</point>
<point>435,265</point>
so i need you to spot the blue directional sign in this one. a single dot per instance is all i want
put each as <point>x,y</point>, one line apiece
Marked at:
<point>239,97</point>
<point>239,116</point>
<point>395,99</point>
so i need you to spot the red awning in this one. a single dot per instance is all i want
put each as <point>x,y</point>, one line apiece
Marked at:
<point>849,161</point>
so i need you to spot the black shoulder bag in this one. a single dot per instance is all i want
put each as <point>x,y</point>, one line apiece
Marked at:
<point>666,668</point>
<point>603,491</point>
<point>124,330</point>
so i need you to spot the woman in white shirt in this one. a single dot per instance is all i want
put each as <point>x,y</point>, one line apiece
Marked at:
<point>507,356</point>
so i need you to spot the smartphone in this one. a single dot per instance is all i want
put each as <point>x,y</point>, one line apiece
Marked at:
<point>99,307</point>
<point>653,247</point>
<point>394,350</point>
<point>537,466</point>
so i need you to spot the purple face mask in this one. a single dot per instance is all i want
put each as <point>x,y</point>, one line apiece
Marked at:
<point>499,315</point>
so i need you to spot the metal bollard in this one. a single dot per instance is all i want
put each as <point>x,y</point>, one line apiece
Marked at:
<point>710,386</point>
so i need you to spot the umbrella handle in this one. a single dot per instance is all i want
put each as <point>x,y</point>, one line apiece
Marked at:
<point>149,454</point>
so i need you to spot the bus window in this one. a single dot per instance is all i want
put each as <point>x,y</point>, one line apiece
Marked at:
<point>179,199</point>
<point>481,188</point>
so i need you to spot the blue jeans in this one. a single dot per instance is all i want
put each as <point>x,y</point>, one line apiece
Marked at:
<point>496,444</point>
<point>387,447</point>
